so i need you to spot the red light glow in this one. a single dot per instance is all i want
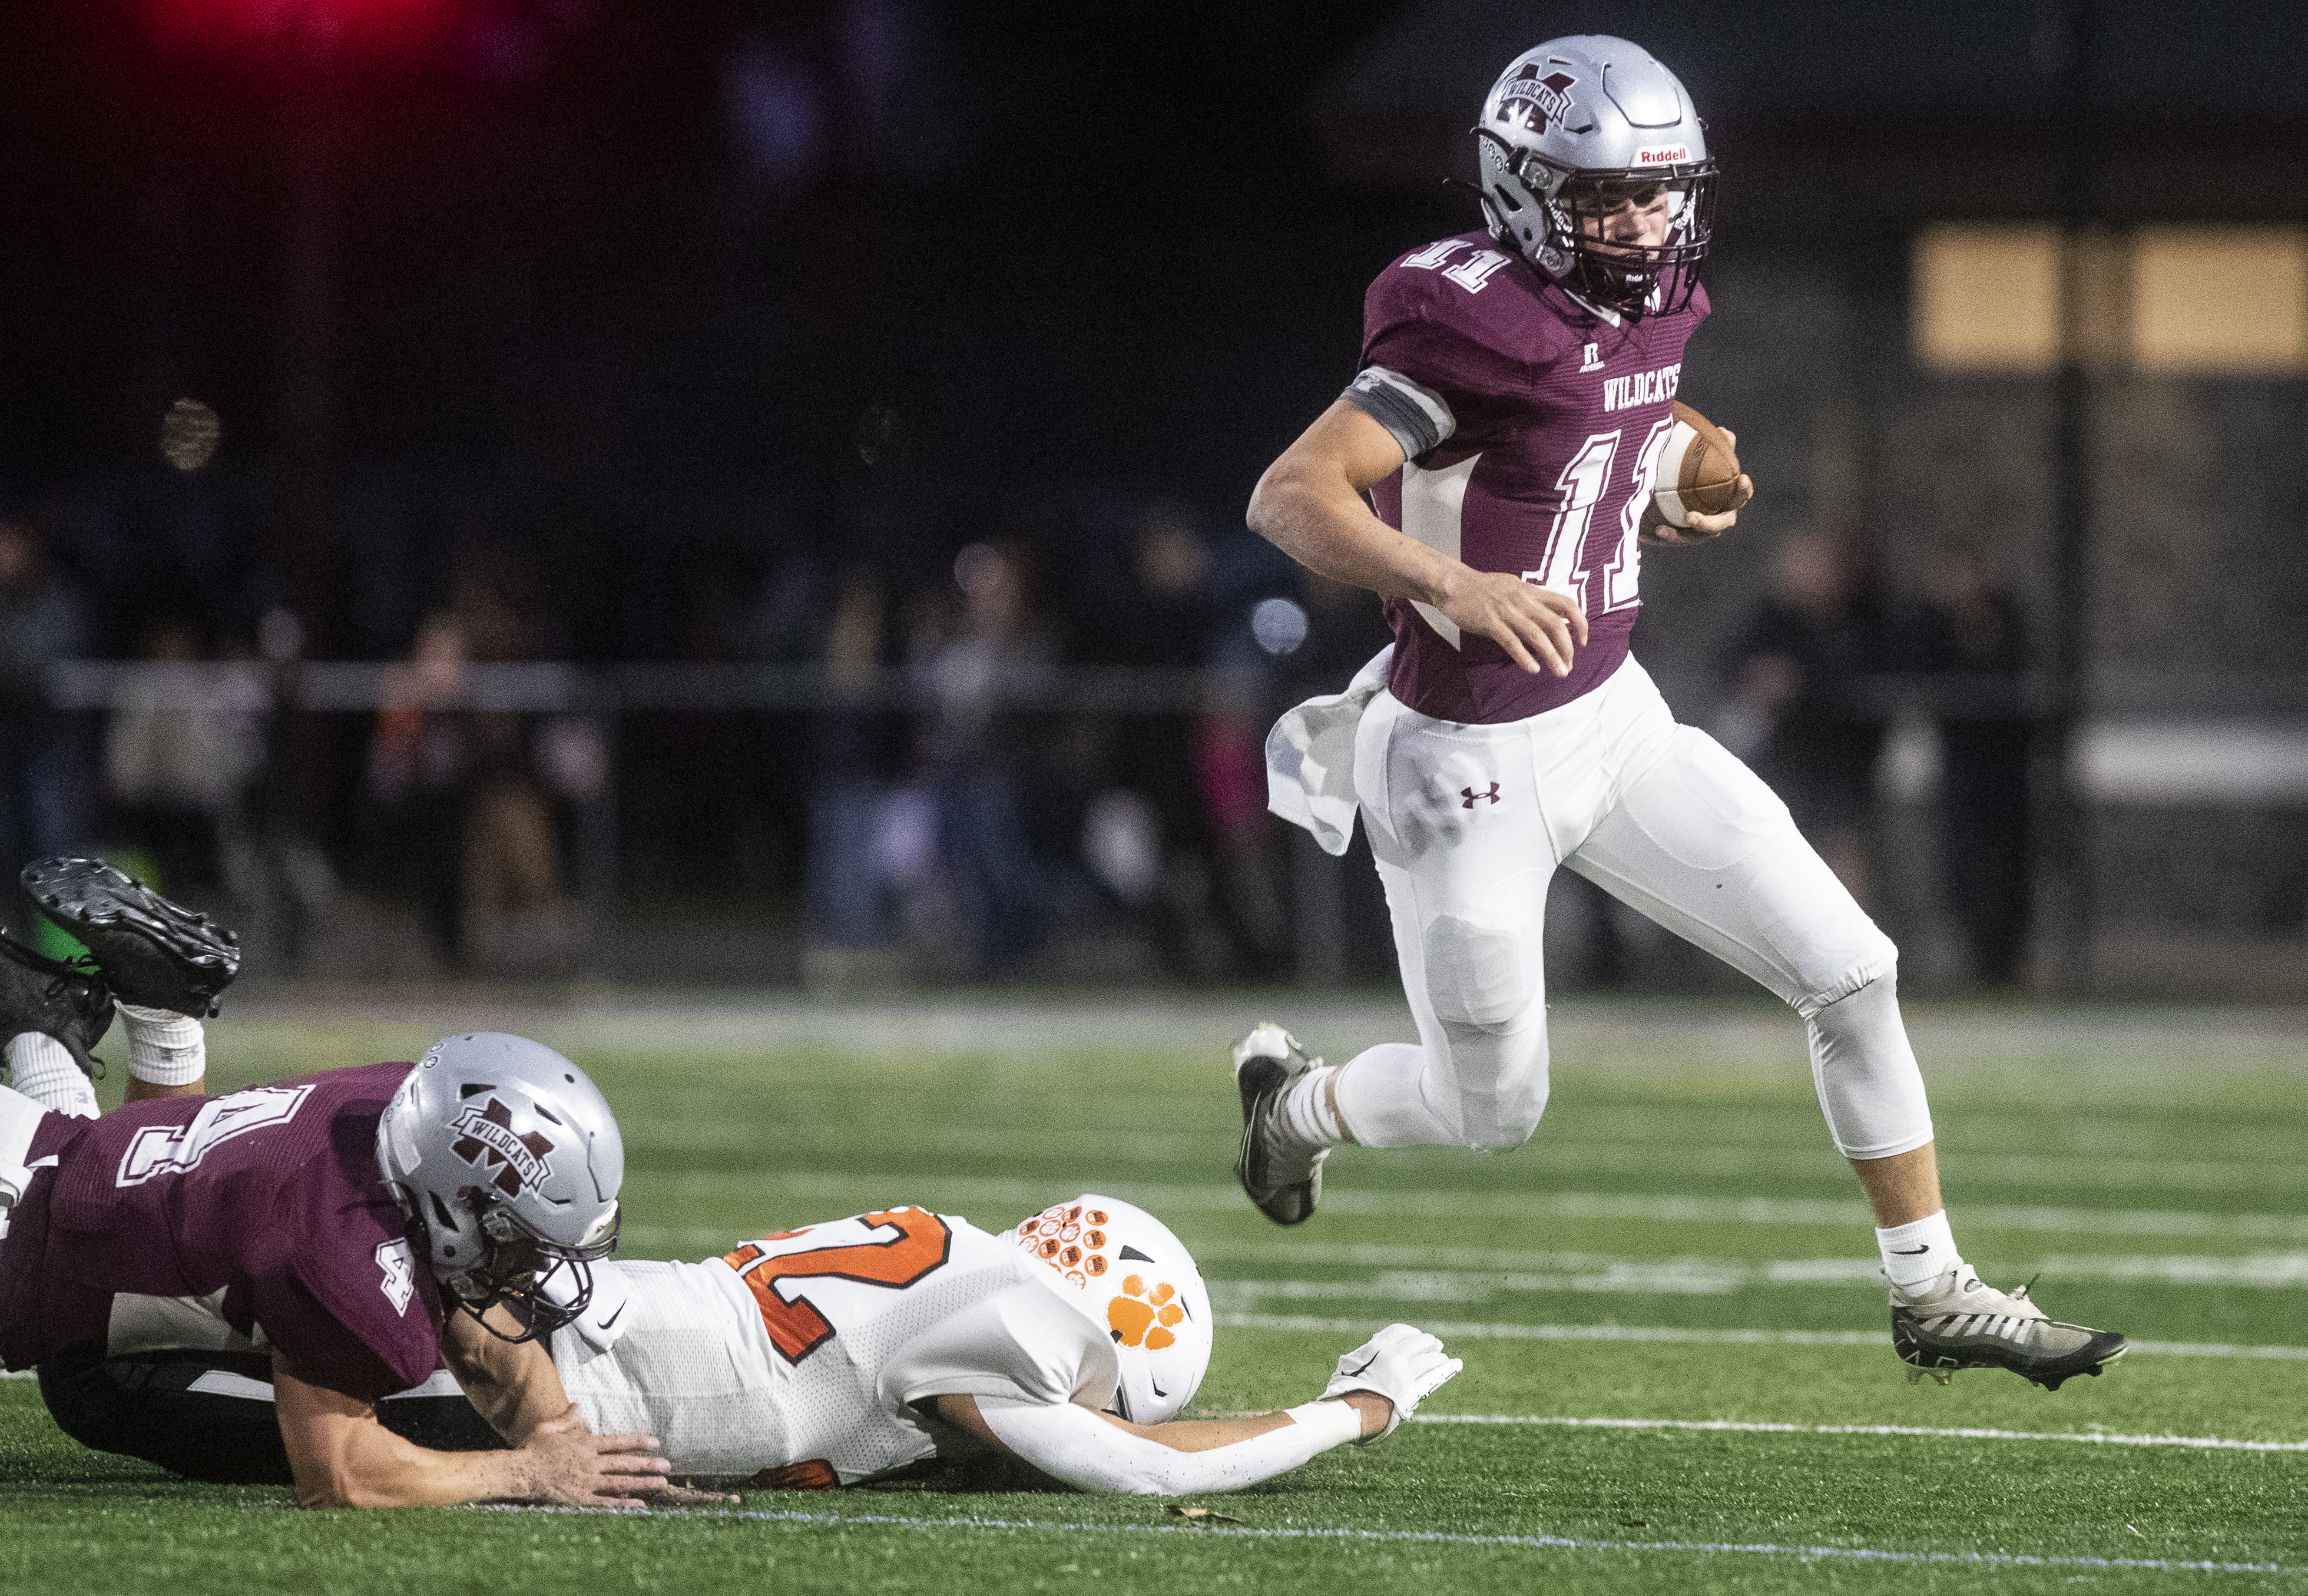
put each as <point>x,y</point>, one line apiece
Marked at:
<point>368,27</point>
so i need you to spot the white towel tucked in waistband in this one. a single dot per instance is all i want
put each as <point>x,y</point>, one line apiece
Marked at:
<point>1310,757</point>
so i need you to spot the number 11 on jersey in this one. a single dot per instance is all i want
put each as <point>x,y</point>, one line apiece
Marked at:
<point>1582,485</point>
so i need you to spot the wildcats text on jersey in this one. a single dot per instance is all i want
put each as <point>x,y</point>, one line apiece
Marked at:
<point>1644,387</point>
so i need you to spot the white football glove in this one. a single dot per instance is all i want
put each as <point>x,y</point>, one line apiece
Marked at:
<point>1401,1363</point>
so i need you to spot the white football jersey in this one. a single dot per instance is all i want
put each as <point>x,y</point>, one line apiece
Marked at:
<point>813,1344</point>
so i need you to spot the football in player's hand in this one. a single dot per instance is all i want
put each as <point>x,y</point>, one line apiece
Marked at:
<point>1697,470</point>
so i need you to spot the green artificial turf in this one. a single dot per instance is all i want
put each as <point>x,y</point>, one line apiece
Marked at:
<point>2148,1164</point>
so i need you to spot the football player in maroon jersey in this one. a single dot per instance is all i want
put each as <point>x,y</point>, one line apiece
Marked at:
<point>351,1232</point>
<point>1516,388</point>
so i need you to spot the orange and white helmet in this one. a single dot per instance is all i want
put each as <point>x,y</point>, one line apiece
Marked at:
<point>1121,1265</point>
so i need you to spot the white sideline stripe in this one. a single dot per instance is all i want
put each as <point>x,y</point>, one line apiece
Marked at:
<point>1664,1332</point>
<point>1442,1537</point>
<point>2094,1437</point>
<point>1004,1198</point>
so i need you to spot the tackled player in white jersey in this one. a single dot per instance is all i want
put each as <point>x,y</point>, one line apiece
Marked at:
<point>843,1351</point>
<point>1515,394</point>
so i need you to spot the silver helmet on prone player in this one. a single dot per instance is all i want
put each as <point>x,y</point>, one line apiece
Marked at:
<point>509,1160</point>
<point>1581,128</point>
<point>1121,1265</point>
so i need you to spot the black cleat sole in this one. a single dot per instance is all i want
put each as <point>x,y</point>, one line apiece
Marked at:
<point>153,953</point>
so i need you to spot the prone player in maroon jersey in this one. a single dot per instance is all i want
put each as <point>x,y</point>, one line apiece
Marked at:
<point>352,1231</point>
<point>1515,391</point>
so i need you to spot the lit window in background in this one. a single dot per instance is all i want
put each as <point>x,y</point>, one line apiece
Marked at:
<point>2186,301</point>
<point>1986,298</point>
<point>2230,301</point>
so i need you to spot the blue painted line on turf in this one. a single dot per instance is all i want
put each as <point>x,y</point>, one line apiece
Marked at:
<point>1743,1427</point>
<point>1518,1542</point>
<point>1450,1330</point>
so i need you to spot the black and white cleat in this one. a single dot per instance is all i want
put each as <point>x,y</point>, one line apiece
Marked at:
<point>1957,1323</point>
<point>151,952</point>
<point>1280,1174</point>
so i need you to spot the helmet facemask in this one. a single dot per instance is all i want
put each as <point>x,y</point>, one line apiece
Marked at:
<point>1591,240</point>
<point>522,1270</point>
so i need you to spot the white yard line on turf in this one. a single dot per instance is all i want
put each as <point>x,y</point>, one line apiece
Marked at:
<point>2096,1438</point>
<point>1686,1277</point>
<point>1026,1196</point>
<point>1867,1554</point>
<point>1665,1333</point>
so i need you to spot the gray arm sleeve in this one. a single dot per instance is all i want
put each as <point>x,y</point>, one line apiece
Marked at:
<point>1416,415</point>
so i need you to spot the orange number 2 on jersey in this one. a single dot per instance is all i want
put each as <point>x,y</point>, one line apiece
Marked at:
<point>797,1329</point>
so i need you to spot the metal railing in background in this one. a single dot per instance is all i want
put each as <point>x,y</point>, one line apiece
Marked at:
<point>2179,745</point>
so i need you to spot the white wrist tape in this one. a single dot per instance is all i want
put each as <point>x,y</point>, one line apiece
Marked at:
<point>1328,1423</point>
<point>165,1048</point>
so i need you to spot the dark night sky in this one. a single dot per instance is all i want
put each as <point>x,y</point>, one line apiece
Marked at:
<point>1040,235</point>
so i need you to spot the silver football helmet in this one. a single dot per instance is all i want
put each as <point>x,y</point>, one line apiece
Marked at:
<point>1121,1265</point>
<point>509,1160</point>
<point>1586,145</point>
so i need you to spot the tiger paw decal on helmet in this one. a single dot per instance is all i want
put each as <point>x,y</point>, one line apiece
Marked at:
<point>1141,1318</point>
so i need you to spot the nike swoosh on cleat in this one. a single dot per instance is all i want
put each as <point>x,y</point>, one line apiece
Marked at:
<point>1911,1252</point>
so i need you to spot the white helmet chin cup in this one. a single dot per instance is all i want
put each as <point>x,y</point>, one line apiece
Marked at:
<point>1120,1266</point>
<point>1585,111</point>
<point>504,1151</point>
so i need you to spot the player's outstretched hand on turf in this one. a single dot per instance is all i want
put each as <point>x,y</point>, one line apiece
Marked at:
<point>1401,1363</point>
<point>568,1462</point>
<point>1539,628</point>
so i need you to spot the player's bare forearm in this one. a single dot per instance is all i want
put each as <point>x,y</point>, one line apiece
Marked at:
<point>512,1384</point>
<point>340,1456</point>
<point>1309,504</point>
<point>140,1092</point>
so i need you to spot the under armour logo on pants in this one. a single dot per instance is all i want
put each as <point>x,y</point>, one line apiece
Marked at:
<point>1470,795</point>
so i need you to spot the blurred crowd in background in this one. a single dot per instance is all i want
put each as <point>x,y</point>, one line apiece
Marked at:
<point>949,836</point>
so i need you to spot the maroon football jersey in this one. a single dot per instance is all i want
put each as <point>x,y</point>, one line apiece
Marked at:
<point>1532,424</point>
<point>272,1194</point>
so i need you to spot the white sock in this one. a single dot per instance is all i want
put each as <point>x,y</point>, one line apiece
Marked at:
<point>1311,1108</point>
<point>40,1068</point>
<point>1919,1252</point>
<point>165,1048</point>
<point>1379,1095</point>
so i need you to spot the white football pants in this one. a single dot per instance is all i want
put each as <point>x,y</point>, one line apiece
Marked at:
<point>1469,823</point>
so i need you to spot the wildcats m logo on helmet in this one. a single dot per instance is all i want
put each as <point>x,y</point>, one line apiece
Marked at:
<point>486,1140</point>
<point>1548,98</point>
